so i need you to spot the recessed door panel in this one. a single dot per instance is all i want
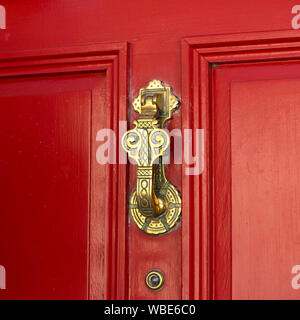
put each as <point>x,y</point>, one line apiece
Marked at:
<point>257,180</point>
<point>45,134</point>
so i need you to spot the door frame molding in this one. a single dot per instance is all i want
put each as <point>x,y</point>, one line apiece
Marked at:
<point>201,236</point>
<point>110,236</point>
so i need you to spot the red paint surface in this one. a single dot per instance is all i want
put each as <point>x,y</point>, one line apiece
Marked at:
<point>85,80</point>
<point>257,141</point>
<point>265,188</point>
<point>210,65</point>
<point>44,190</point>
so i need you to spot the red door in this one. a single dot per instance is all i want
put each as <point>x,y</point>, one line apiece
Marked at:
<point>69,73</point>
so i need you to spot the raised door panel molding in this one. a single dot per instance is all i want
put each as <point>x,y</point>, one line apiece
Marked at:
<point>107,235</point>
<point>206,216</point>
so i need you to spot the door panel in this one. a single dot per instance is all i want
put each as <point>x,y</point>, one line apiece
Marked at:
<point>265,136</point>
<point>256,139</point>
<point>45,134</point>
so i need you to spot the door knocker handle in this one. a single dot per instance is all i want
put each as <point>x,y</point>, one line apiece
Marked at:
<point>156,204</point>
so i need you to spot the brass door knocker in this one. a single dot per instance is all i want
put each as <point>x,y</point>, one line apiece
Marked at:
<point>156,204</point>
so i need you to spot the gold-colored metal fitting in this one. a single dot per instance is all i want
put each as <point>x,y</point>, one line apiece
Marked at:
<point>155,280</point>
<point>156,204</point>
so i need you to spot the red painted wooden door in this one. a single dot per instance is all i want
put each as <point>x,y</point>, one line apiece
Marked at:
<point>69,69</point>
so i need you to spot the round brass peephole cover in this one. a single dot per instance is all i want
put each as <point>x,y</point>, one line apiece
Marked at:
<point>155,280</point>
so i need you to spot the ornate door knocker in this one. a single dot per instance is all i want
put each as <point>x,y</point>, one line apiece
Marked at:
<point>156,204</point>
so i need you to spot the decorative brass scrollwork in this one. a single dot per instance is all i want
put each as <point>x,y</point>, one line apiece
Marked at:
<point>156,204</point>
